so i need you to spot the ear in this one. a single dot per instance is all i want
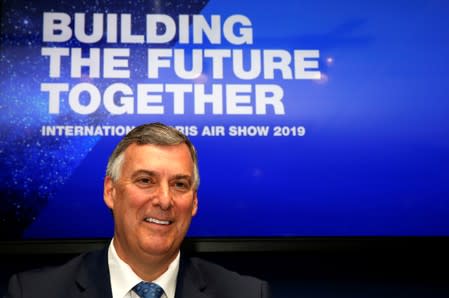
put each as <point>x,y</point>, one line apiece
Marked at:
<point>108,192</point>
<point>195,204</point>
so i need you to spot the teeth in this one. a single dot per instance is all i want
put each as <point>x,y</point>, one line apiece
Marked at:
<point>157,221</point>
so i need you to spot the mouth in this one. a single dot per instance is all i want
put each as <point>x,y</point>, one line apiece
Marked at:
<point>157,221</point>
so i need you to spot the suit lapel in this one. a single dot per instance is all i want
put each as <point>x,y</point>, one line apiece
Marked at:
<point>93,277</point>
<point>190,282</point>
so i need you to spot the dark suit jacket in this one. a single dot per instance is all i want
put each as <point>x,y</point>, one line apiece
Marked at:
<point>88,276</point>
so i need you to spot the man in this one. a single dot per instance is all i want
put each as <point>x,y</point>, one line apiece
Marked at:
<point>151,187</point>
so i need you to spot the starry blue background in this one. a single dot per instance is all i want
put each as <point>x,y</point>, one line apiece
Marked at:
<point>373,162</point>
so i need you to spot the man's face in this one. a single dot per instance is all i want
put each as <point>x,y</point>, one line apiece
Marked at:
<point>153,201</point>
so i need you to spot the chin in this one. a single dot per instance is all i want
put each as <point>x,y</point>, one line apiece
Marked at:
<point>159,247</point>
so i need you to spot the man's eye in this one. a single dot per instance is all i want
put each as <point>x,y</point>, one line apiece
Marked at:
<point>181,185</point>
<point>144,181</point>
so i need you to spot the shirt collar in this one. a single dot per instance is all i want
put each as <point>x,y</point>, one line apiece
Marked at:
<point>123,278</point>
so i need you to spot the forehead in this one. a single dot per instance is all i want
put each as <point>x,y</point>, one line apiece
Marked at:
<point>159,157</point>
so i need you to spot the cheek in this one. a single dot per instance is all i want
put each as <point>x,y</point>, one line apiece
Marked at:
<point>132,197</point>
<point>128,203</point>
<point>187,206</point>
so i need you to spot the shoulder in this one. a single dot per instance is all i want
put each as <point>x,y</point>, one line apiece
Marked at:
<point>50,280</point>
<point>214,270</point>
<point>227,283</point>
<point>47,275</point>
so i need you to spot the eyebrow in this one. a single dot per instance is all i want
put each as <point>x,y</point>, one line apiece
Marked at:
<point>179,176</point>
<point>155,174</point>
<point>139,172</point>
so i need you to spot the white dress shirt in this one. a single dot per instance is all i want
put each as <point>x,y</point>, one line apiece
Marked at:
<point>123,278</point>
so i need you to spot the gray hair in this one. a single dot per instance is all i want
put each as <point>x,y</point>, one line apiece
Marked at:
<point>153,134</point>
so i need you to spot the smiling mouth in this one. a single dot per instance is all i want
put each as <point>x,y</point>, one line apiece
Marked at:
<point>157,221</point>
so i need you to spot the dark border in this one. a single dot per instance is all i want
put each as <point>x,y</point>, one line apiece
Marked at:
<point>376,245</point>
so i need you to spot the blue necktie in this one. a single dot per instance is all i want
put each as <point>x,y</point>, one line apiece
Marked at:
<point>148,290</point>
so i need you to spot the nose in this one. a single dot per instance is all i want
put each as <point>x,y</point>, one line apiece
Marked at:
<point>163,198</point>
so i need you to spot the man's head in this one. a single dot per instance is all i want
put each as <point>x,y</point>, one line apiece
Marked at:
<point>151,134</point>
<point>151,187</point>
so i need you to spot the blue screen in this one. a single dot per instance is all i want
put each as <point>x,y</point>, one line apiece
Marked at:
<point>310,118</point>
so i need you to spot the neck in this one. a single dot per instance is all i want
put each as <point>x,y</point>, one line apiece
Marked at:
<point>147,266</point>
